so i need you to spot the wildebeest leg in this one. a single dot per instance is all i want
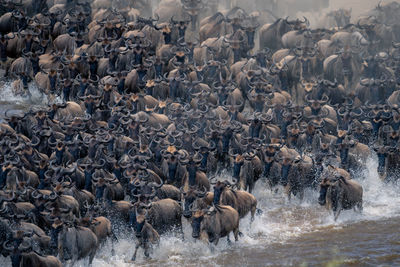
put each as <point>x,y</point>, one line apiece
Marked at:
<point>236,234</point>
<point>359,207</point>
<point>336,213</point>
<point>228,239</point>
<point>339,205</point>
<point>251,186</point>
<point>112,248</point>
<point>338,209</point>
<point>243,186</point>
<point>301,195</point>
<point>134,254</point>
<point>253,211</point>
<point>271,187</point>
<point>113,240</point>
<point>147,250</point>
<point>181,230</point>
<point>288,191</point>
<point>216,240</point>
<point>212,248</point>
<point>91,256</point>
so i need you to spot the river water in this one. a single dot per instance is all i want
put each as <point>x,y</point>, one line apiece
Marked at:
<point>291,234</point>
<point>17,103</point>
<point>295,233</point>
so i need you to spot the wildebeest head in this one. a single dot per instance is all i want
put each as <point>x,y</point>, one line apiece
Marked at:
<point>9,247</point>
<point>55,230</point>
<point>316,105</point>
<point>341,16</point>
<point>218,189</point>
<point>198,217</point>
<point>140,221</point>
<point>190,199</point>
<point>382,153</point>
<point>332,184</point>
<point>322,192</point>
<point>192,8</point>
<point>298,24</point>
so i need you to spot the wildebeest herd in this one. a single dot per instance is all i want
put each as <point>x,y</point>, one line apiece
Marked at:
<point>145,113</point>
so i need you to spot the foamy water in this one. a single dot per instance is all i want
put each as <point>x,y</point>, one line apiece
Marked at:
<point>8,95</point>
<point>15,103</point>
<point>280,222</point>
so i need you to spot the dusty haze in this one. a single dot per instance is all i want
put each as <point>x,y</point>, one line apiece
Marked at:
<point>359,6</point>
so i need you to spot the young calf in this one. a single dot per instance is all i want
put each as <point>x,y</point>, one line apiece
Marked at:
<point>146,235</point>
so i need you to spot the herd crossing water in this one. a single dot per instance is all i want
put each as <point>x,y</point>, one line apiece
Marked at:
<point>113,114</point>
<point>292,233</point>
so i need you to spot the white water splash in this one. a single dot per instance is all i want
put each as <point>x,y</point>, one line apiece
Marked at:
<point>7,95</point>
<point>17,103</point>
<point>280,221</point>
<point>381,200</point>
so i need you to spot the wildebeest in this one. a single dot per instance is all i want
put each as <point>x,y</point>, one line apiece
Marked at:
<point>164,215</point>
<point>210,225</point>
<point>339,193</point>
<point>141,114</point>
<point>241,201</point>
<point>33,259</point>
<point>146,234</point>
<point>73,243</point>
